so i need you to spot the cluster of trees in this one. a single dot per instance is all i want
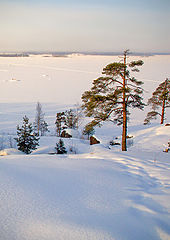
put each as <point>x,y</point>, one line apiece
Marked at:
<point>28,134</point>
<point>28,140</point>
<point>109,99</point>
<point>72,119</point>
<point>69,119</point>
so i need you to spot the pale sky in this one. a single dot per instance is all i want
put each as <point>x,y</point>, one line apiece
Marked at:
<point>87,25</point>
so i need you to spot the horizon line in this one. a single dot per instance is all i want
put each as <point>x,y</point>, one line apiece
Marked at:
<point>108,53</point>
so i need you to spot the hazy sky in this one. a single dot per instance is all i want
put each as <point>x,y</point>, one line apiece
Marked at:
<point>87,25</point>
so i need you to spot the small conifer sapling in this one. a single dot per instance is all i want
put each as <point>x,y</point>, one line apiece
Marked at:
<point>27,139</point>
<point>60,148</point>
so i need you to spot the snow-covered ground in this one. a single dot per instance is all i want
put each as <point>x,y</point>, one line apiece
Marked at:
<point>98,193</point>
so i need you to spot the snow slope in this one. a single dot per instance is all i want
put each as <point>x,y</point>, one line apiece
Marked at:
<point>101,194</point>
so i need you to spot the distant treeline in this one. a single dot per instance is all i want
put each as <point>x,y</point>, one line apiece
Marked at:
<point>14,55</point>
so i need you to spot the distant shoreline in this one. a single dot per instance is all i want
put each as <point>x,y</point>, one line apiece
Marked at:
<point>14,55</point>
<point>66,54</point>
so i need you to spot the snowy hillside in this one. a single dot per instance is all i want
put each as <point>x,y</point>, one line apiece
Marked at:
<point>99,193</point>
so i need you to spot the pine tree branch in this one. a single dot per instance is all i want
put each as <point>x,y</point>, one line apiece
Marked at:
<point>115,80</point>
<point>129,84</point>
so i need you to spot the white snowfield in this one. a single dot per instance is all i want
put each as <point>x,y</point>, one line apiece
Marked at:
<point>101,194</point>
<point>97,193</point>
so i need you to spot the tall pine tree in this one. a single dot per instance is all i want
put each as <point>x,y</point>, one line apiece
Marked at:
<point>111,96</point>
<point>160,99</point>
<point>26,137</point>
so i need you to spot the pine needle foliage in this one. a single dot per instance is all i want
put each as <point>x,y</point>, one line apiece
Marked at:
<point>113,94</point>
<point>71,119</point>
<point>27,139</point>
<point>160,100</point>
<point>60,123</point>
<point>88,130</point>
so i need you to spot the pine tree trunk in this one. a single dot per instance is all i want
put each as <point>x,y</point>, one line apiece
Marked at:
<point>124,130</point>
<point>163,104</point>
<point>38,128</point>
<point>38,125</point>
<point>163,112</point>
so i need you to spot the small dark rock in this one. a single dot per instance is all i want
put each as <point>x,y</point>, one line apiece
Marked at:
<point>113,143</point>
<point>64,134</point>
<point>93,140</point>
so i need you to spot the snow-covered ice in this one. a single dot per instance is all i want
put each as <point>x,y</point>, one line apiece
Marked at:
<point>63,80</point>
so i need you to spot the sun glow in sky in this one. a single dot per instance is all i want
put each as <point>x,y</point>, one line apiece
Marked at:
<point>91,25</point>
